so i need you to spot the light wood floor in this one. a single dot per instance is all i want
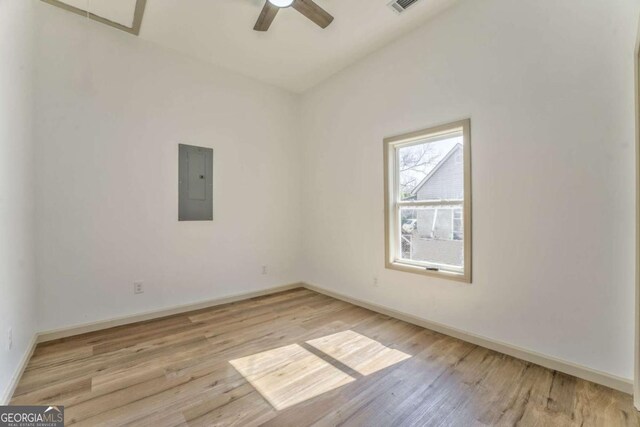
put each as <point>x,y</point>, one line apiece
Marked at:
<point>320,361</point>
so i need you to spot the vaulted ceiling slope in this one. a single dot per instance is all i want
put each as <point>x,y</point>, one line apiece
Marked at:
<point>294,54</point>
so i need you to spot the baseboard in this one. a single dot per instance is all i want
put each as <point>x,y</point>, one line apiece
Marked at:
<point>618,383</point>
<point>6,398</point>
<point>150,315</point>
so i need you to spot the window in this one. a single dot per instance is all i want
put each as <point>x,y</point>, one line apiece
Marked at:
<point>428,201</point>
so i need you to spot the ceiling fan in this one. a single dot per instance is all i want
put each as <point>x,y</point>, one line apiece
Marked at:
<point>306,7</point>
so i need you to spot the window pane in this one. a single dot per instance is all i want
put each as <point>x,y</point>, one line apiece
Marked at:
<point>432,235</point>
<point>432,170</point>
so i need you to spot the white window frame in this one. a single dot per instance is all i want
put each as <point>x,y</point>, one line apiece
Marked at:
<point>393,203</point>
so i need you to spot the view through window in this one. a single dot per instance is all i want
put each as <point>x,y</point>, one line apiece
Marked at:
<point>428,204</point>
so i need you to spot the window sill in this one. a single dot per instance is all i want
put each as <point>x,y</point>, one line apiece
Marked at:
<point>408,268</point>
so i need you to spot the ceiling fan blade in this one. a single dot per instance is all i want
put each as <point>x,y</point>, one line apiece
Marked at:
<point>265,19</point>
<point>314,12</point>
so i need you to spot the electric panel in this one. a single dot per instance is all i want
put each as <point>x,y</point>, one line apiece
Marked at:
<point>195,189</point>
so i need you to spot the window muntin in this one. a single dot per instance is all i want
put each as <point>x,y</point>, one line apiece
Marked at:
<point>427,192</point>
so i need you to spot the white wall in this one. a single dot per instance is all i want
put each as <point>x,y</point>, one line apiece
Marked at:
<point>112,109</point>
<point>18,309</point>
<point>549,87</point>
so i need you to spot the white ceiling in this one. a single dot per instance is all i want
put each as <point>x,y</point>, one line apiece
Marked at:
<point>294,54</point>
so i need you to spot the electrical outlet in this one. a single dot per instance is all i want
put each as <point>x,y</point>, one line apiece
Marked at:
<point>9,339</point>
<point>264,269</point>
<point>138,287</point>
<point>375,281</point>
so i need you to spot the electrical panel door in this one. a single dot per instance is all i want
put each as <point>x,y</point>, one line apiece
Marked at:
<point>195,172</point>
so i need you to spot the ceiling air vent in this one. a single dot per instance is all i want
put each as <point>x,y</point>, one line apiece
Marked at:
<point>400,6</point>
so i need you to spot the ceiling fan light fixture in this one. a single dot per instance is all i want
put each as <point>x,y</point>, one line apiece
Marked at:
<point>306,7</point>
<point>281,3</point>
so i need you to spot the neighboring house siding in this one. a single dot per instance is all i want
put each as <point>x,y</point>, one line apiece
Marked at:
<point>447,182</point>
<point>434,241</point>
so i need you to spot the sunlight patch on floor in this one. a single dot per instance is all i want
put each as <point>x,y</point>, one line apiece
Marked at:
<point>289,375</point>
<point>360,353</point>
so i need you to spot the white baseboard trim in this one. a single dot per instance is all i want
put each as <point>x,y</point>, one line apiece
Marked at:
<point>11,388</point>
<point>618,383</point>
<point>155,314</point>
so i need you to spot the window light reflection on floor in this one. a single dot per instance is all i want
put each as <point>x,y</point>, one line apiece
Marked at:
<point>360,353</point>
<point>289,375</point>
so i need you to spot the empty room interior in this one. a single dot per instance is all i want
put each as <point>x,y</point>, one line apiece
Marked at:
<point>328,212</point>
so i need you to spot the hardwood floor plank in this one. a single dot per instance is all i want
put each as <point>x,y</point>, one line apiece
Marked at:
<point>64,391</point>
<point>179,371</point>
